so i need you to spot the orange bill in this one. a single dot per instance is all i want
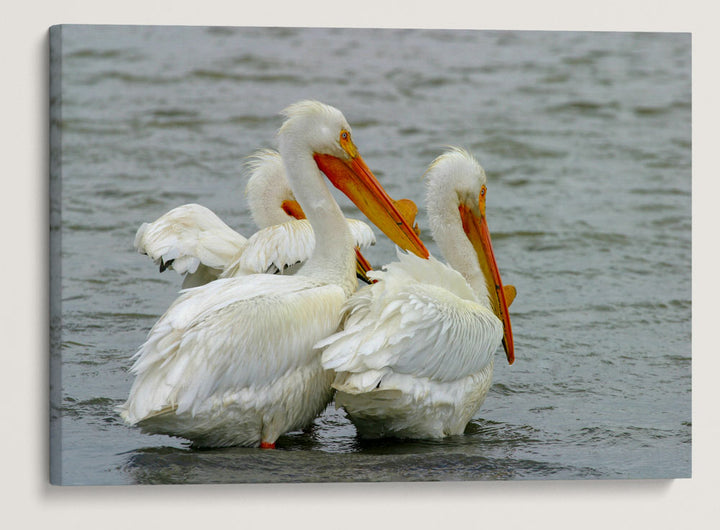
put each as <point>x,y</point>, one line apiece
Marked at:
<point>408,209</point>
<point>293,209</point>
<point>354,179</point>
<point>510,294</point>
<point>362,266</point>
<point>476,229</point>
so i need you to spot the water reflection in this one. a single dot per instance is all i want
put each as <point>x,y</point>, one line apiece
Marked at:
<point>487,451</point>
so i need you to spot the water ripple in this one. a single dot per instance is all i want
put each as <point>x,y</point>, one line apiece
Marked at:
<point>133,79</point>
<point>221,75</point>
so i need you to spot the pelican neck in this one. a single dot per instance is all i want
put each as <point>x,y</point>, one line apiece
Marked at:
<point>333,259</point>
<point>446,228</point>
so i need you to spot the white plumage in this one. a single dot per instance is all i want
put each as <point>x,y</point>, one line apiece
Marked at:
<point>414,357</point>
<point>232,362</point>
<point>197,244</point>
<point>285,247</point>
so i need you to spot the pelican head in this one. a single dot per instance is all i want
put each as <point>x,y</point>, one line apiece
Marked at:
<point>316,125</point>
<point>457,186</point>
<point>269,196</point>
<point>323,132</point>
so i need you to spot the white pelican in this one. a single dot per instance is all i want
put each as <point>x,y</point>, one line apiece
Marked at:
<point>414,357</point>
<point>232,362</point>
<point>196,243</point>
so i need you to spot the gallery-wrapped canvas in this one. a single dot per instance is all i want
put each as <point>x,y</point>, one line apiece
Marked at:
<point>585,140</point>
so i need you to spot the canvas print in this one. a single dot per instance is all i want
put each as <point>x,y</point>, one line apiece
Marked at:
<point>368,255</point>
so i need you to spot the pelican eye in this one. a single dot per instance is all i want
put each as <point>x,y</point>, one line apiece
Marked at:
<point>483,191</point>
<point>347,144</point>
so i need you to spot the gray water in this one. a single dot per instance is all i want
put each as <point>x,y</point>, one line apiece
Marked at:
<point>586,141</point>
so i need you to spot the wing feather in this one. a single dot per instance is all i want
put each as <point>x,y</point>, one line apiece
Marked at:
<point>362,233</point>
<point>279,246</point>
<point>231,334</point>
<point>188,238</point>
<point>413,322</point>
